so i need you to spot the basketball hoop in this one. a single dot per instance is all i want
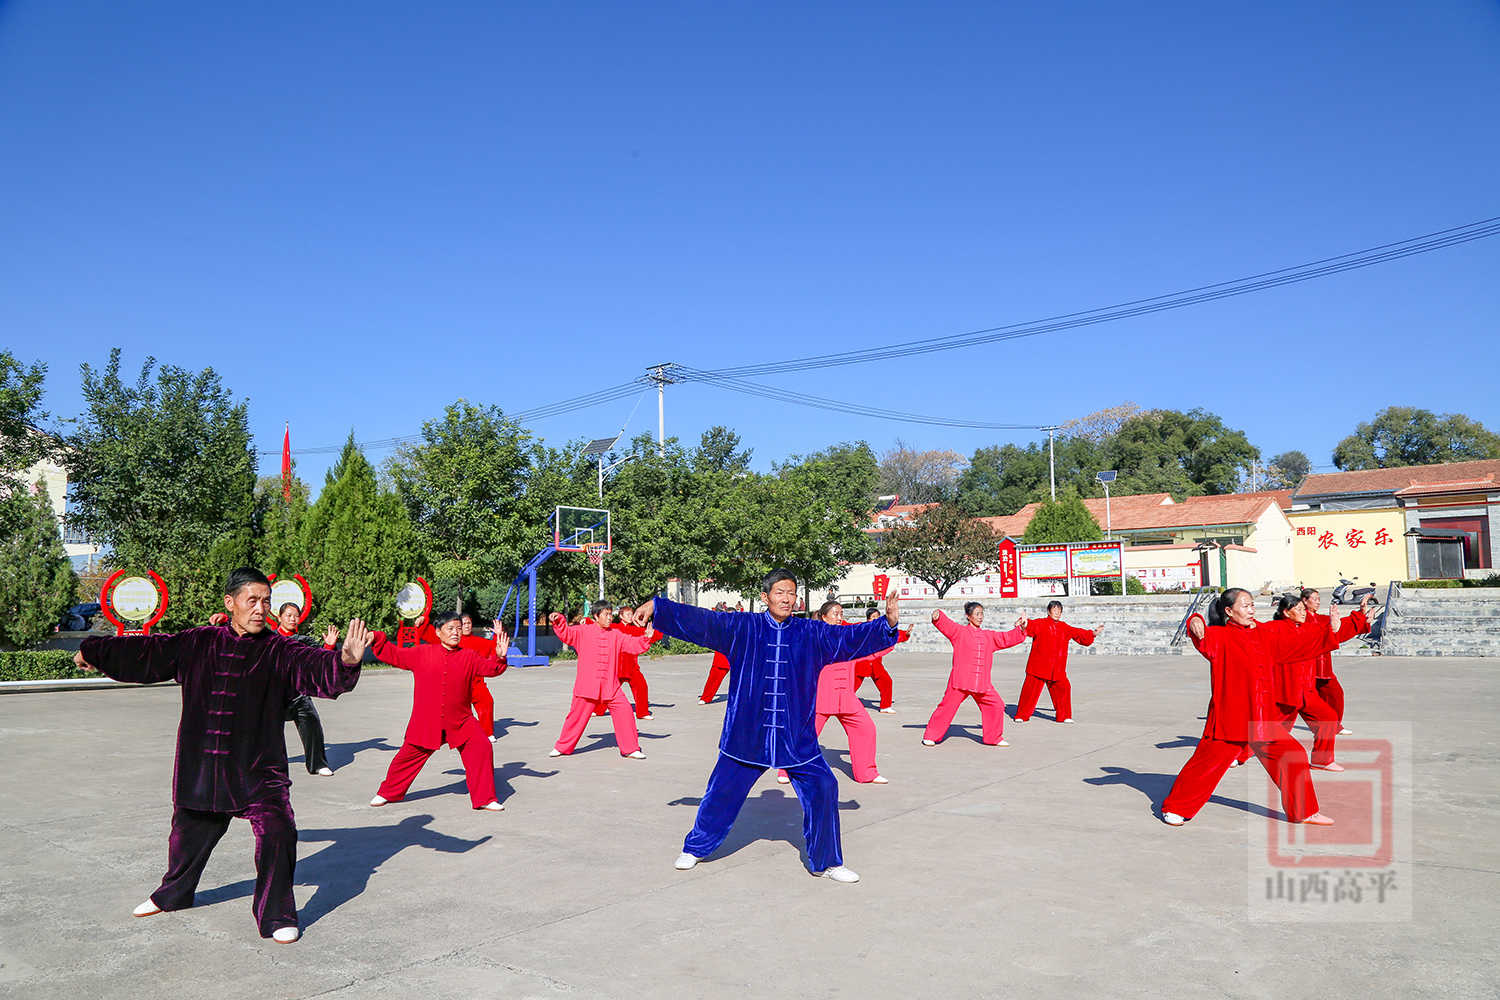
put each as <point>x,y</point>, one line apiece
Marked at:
<point>595,551</point>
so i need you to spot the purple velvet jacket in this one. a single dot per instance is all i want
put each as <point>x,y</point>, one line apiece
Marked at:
<point>231,750</point>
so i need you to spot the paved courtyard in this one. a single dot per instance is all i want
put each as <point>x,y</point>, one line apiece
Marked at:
<point>1037,870</point>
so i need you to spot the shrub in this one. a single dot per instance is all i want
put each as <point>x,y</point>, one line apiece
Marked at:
<point>1493,580</point>
<point>675,647</point>
<point>1432,584</point>
<point>39,665</point>
<point>1111,588</point>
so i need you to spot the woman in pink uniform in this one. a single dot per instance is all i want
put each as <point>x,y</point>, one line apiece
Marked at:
<point>598,680</point>
<point>974,650</point>
<point>836,700</point>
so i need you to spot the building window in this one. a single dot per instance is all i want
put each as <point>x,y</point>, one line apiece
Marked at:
<point>1474,532</point>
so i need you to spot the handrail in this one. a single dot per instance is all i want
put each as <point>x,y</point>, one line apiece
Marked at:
<point>1375,640</point>
<point>1198,596</point>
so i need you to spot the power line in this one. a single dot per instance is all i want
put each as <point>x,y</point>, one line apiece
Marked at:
<point>1354,260</point>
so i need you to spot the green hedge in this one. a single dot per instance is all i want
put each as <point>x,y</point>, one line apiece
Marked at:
<point>39,665</point>
<point>675,647</point>
<point>1493,580</point>
<point>1111,588</point>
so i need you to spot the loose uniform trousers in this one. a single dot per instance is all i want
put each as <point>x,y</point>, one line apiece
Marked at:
<point>484,706</point>
<point>1332,693</point>
<point>310,729</point>
<point>816,787</point>
<point>1320,718</point>
<point>991,714</point>
<point>1284,760</point>
<point>582,709</point>
<point>860,729</point>
<point>474,749</point>
<point>882,679</point>
<point>640,692</point>
<point>716,677</point>
<point>1060,691</point>
<point>194,834</point>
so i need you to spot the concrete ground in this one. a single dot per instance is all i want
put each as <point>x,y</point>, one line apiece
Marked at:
<point>1037,870</point>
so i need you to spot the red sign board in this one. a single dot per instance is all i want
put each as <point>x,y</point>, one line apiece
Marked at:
<point>1010,582</point>
<point>881,585</point>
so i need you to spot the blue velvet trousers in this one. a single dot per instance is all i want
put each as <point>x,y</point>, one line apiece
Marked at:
<point>816,787</point>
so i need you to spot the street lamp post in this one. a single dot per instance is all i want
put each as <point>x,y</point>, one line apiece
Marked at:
<point>1106,477</point>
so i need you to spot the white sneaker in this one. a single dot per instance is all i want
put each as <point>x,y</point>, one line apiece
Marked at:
<point>929,743</point>
<point>685,861</point>
<point>1236,763</point>
<point>379,800</point>
<point>1003,743</point>
<point>1332,765</point>
<point>880,779</point>
<point>703,701</point>
<point>782,779</point>
<point>285,935</point>
<point>1021,722</point>
<point>839,874</point>
<point>648,717</point>
<point>324,772</point>
<point>886,711</point>
<point>638,755</point>
<point>1172,819</point>
<point>494,806</point>
<point>1067,722</point>
<point>494,738</point>
<point>146,909</point>
<point>1345,731</point>
<point>555,752</point>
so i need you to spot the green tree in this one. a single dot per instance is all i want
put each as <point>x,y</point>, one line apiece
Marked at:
<point>1001,480</point>
<point>841,482</point>
<point>36,579</point>
<point>719,451</point>
<point>1185,454</point>
<point>942,546</point>
<point>1287,470</point>
<point>281,526</point>
<point>162,471</point>
<point>22,444</point>
<point>666,511</point>
<point>1406,435</point>
<point>361,547</point>
<point>1063,520</point>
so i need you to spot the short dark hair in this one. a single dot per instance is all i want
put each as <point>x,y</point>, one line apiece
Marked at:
<point>871,613</point>
<point>289,604</point>
<point>602,606</point>
<point>969,607</point>
<point>827,607</point>
<point>776,576</point>
<point>1307,592</point>
<point>1285,603</point>
<point>442,618</point>
<point>1054,604</point>
<point>242,578</point>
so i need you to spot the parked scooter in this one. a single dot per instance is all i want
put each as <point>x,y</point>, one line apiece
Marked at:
<point>1347,593</point>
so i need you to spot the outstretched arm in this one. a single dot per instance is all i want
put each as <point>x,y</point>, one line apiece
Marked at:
<point>944,624</point>
<point>837,643</point>
<point>322,673</point>
<point>137,659</point>
<point>709,629</point>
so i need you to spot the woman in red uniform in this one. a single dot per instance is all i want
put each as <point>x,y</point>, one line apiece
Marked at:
<point>1048,664</point>
<point>484,702</point>
<point>630,665</point>
<point>873,667</point>
<point>1242,654</point>
<point>1325,683</point>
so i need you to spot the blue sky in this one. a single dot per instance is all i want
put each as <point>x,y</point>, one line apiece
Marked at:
<point>357,214</point>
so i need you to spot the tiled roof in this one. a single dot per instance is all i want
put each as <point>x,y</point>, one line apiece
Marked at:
<point>1396,479</point>
<point>1150,511</point>
<point>1486,485</point>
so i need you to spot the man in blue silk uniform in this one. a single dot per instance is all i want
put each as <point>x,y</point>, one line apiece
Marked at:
<point>774,662</point>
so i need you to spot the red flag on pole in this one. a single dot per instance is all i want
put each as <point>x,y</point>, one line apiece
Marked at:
<point>286,465</point>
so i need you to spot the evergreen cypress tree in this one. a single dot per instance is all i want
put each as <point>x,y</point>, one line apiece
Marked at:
<point>36,580</point>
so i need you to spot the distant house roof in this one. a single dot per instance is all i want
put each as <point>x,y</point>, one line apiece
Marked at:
<point>896,513</point>
<point>1156,511</point>
<point>1455,477</point>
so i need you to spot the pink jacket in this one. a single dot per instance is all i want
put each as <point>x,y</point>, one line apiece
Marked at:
<point>599,652</point>
<point>836,687</point>
<point>974,651</point>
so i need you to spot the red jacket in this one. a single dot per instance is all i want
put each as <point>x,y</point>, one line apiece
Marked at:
<point>1323,665</point>
<point>1242,664</point>
<point>443,679</point>
<point>974,652</point>
<point>1049,647</point>
<point>1294,679</point>
<point>599,651</point>
<point>630,662</point>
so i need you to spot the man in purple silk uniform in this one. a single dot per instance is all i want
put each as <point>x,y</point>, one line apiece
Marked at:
<point>236,680</point>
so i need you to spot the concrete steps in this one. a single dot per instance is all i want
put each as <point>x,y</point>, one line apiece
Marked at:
<point>1444,623</point>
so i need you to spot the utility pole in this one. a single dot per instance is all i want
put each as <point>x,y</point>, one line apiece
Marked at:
<point>1052,459</point>
<point>661,375</point>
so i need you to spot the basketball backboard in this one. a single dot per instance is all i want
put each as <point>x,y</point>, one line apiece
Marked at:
<point>575,527</point>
